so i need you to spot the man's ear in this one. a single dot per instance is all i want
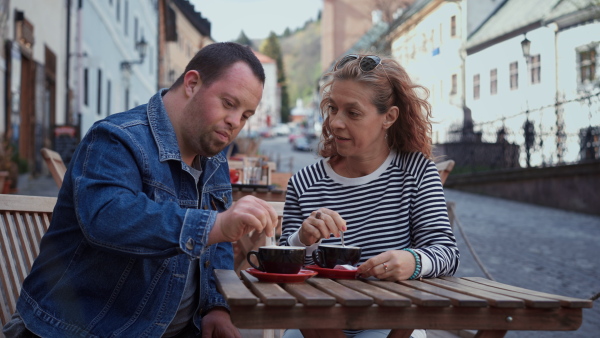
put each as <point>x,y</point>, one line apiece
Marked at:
<point>191,82</point>
<point>391,116</point>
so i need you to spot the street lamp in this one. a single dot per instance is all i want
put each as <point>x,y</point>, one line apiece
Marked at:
<point>141,47</point>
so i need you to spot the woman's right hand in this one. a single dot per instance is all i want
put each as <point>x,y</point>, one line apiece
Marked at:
<point>321,223</point>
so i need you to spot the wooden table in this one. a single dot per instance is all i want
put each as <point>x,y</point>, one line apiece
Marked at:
<point>447,303</point>
<point>266,193</point>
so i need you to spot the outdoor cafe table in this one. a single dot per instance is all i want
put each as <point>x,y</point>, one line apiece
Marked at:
<point>447,303</point>
<point>264,192</point>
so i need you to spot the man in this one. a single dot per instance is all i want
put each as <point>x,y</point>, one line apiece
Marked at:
<point>145,214</point>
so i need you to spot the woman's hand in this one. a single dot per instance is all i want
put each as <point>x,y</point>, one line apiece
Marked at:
<point>393,265</point>
<point>321,224</point>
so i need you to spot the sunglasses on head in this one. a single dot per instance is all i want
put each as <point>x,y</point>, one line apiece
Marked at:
<point>366,63</point>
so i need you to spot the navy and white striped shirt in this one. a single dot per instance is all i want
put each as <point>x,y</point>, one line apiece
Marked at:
<point>400,205</point>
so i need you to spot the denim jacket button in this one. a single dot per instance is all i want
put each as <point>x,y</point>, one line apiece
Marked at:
<point>190,244</point>
<point>224,198</point>
<point>205,207</point>
<point>206,264</point>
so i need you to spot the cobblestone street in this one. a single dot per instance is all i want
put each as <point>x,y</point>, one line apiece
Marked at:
<point>534,247</point>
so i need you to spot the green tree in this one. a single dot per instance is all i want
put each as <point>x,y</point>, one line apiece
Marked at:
<point>244,40</point>
<point>271,48</point>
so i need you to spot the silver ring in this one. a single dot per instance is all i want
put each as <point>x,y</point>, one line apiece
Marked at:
<point>318,215</point>
<point>385,267</point>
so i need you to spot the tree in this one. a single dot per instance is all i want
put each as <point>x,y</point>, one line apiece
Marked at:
<point>271,48</point>
<point>244,40</point>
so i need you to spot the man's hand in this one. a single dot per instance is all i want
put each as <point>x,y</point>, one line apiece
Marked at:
<point>217,323</point>
<point>247,214</point>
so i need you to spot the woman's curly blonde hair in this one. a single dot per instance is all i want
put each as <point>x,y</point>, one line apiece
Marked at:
<point>391,86</point>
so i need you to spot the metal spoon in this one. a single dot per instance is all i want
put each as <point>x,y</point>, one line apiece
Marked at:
<point>342,238</point>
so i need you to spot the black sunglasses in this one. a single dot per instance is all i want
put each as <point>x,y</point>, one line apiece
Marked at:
<point>366,63</point>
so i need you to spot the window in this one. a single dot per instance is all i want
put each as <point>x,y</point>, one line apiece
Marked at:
<point>454,87</point>
<point>99,108</point>
<point>587,65</point>
<point>476,87</point>
<point>125,17</point>
<point>85,87</point>
<point>453,26</point>
<point>494,81</point>
<point>514,75</point>
<point>126,98</point>
<point>535,69</point>
<point>108,94</point>
<point>135,31</point>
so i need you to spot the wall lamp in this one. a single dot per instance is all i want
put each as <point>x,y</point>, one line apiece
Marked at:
<point>141,47</point>
<point>526,46</point>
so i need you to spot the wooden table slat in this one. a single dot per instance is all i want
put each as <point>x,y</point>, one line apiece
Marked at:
<point>529,299</point>
<point>457,298</point>
<point>232,288</point>
<point>417,297</point>
<point>270,294</point>
<point>342,294</point>
<point>309,295</point>
<point>493,299</point>
<point>569,302</point>
<point>381,296</point>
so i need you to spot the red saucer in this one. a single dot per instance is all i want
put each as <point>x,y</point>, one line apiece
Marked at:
<point>301,276</point>
<point>333,273</point>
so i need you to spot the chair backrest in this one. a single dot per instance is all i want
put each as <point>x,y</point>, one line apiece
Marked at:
<point>444,168</point>
<point>254,240</point>
<point>23,222</point>
<point>55,164</point>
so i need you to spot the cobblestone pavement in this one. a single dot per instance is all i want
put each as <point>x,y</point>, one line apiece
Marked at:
<point>539,248</point>
<point>534,247</point>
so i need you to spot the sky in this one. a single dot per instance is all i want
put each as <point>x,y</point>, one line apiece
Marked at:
<point>257,18</point>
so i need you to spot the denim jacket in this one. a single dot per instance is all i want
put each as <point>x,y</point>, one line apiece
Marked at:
<point>128,222</point>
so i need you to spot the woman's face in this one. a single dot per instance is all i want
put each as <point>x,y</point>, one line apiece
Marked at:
<point>358,129</point>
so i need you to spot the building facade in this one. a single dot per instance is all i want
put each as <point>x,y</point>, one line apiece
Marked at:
<point>182,33</point>
<point>532,76</point>
<point>33,64</point>
<point>116,50</point>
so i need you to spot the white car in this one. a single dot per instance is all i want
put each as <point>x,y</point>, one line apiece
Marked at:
<point>281,130</point>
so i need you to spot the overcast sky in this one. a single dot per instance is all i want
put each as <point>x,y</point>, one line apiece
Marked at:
<point>257,18</point>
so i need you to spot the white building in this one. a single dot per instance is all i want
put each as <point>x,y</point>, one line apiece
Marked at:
<point>268,111</point>
<point>505,89</point>
<point>111,72</point>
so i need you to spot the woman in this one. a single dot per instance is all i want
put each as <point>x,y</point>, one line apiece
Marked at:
<point>376,181</point>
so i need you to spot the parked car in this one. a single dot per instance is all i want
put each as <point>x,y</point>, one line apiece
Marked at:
<point>301,143</point>
<point>281,130</point>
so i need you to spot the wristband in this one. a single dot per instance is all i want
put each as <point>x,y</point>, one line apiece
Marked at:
<point>417,263</point>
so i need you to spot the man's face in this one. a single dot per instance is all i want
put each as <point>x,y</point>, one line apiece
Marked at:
<point>214,116</point>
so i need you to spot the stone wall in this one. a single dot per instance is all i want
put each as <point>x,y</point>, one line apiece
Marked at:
<point>479,156</point>
<point>570,187</point>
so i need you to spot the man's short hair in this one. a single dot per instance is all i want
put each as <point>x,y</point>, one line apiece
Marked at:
<point>213,60</point>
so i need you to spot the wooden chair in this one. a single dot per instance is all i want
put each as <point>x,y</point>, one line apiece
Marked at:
<point>253,241</point>
<point>444,168</point>
<point>23,222</point>
<point>55,164</point>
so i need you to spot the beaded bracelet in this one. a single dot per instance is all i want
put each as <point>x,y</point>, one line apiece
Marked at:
<point>417,263</point>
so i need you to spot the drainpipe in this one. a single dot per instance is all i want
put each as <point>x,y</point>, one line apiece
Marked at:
<point>68,65</point>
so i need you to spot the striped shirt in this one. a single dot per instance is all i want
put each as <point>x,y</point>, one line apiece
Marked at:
<point>400,205</point>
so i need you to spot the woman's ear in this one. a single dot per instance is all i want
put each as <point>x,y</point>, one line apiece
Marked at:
<point>390,117</point>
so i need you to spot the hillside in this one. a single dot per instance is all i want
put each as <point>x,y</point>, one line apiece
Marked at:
<point>302,61</point>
